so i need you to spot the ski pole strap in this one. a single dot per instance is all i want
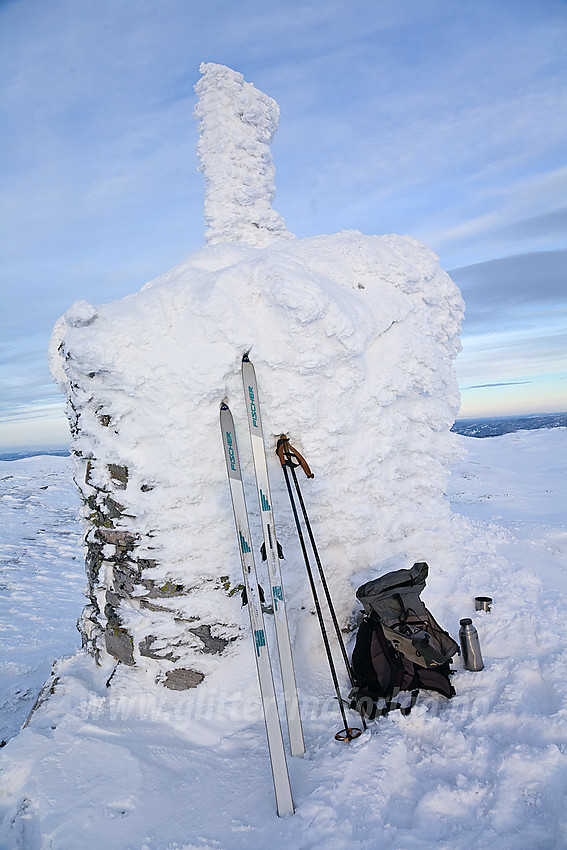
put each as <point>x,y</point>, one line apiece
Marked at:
<point>291,457</point>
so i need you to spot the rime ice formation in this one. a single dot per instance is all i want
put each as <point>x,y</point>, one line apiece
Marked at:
<point>353,339</point>
<point>237,123</point>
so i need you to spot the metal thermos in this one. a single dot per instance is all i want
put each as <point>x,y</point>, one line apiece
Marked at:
<point>470,646</point>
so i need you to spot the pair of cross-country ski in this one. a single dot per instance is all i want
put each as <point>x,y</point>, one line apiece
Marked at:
<point>284,800</point>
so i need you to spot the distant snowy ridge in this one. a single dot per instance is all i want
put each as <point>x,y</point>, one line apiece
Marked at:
<point>495,426</point>
<point>34,453</point>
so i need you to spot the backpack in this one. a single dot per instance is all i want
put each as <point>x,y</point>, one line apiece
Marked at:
<point>399,645</point>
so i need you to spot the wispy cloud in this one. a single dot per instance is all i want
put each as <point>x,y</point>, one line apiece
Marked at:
<point>497,384</point>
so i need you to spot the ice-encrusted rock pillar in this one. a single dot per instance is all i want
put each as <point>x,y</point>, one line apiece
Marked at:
<point>352,337</point>
<point>236,124</point>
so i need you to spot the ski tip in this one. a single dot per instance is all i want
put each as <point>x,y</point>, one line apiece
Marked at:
<point>245,358</point>
<point>224,405</point>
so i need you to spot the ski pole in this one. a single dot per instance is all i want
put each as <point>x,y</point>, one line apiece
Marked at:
<point>287,454</point>
<point>348,733</point>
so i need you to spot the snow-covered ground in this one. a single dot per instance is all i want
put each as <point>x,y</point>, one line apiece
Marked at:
<point>42,577</point>
<point>120,766</point>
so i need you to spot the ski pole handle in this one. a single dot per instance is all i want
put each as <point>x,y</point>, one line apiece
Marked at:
<point>287,453</point>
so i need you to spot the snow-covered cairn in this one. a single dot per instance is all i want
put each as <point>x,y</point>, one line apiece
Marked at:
<point>352,338</point>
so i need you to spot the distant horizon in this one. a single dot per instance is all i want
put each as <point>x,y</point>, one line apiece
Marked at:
<point>32,450</point>
<point>511,416</point>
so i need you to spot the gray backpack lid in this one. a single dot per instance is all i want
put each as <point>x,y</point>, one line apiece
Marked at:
<point>409,582</point>
<point>395,600</point>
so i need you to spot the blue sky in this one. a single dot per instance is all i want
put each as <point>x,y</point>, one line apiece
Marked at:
<point>444,120</point>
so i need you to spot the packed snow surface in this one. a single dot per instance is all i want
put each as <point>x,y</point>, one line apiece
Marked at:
<point>119,767</point>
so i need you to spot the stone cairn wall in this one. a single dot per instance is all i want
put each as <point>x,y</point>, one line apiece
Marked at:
<point>117,568</point>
